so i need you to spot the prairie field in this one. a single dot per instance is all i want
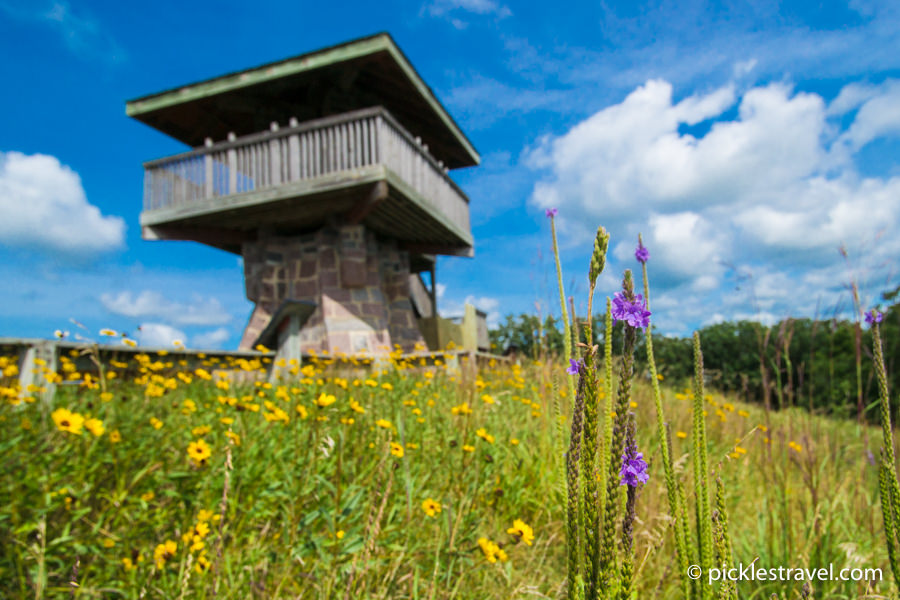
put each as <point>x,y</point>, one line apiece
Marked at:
<point>407,478</point>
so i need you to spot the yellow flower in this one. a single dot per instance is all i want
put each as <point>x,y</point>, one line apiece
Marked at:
<point>521,531</point>
<point>202,565</point>
<point>156,423</point>
<point>396,449</point>
<point>492,552</point>
<point>147,496</point>
<point>235,438</point>
<point>67,421</point>
<point>468,448</point>
<point>226,420</point>
<point>431,507</point>
<point>204,515</point>
<point>795,446</point>
<point>743,413</point>
<point>514,442</point>
<point>106,396</point>
<point>356,406</point>
<point>487,399</point>
<point>680,434</point>
<point>340,534</point>
<point>109,333</point>
<point>200,431</point>
<point>387,386</point>
<point>483,434</point>
<point>201,529</point>
<point>325,400</point>
<point>762,428</point>
<point>108,542</point>
<point>461,409</point>
<point>129,342</point>
<point>164,552</point>
<point>95,426</point>
<point>199,452</point>
<point>384,423</point>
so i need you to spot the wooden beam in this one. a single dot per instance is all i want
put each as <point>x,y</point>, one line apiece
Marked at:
<point>466,251</point>
<point>211,236</point>
<point>378,193</point>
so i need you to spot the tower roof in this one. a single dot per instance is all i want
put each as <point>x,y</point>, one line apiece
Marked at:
<point>369,71</point>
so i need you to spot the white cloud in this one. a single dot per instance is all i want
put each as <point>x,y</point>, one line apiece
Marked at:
<point>878,115</point>
<point>478,7</point>
<point>487,304</point>
<point>44,206</point>
<point>82,34</point>
<point>211,339</point>
<point>771,188</point>
<point>149,304</point>
<point>159,335</point>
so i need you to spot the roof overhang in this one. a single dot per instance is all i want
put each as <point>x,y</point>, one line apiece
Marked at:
<point>370,71</point>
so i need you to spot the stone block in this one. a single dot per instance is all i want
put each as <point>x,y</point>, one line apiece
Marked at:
<point>308,268</point>
<point>353,273</point>
<point>328,278</point>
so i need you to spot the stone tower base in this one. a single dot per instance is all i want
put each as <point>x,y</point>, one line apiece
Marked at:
<point>359,283</point>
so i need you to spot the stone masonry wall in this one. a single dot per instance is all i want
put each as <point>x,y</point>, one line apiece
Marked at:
<point>359,283</point>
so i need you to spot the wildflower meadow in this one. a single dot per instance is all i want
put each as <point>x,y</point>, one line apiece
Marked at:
<point>587,475</point>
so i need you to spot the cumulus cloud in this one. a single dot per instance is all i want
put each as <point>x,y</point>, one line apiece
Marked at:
<point>44,206</point>
<point>211,339</point>
<point>149,304</point>
<point>765,179</point>
<point>159,335</point>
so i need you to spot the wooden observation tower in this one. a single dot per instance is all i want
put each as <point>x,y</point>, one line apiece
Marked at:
<point>327,172</point>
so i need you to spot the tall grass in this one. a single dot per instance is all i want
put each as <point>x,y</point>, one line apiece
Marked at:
<point>421,480</point>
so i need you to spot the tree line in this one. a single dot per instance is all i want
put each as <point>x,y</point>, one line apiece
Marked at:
<point>823,365</point>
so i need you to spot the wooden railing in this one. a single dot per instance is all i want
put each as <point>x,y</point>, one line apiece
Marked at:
<point>298,152</point>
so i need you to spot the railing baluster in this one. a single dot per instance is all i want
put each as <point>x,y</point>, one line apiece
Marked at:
<point>301,152</point>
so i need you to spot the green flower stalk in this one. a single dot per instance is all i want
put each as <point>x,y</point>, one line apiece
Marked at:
<point>701,468</point>
<point>598,263</point>
<point>573,457</point>
<point>633,473</point>
<point>567,338</point>
<point>724,555</point>
<point>603,459</point>
<point>662,434</point>
<point>623,301</point>
<point>887,473</point>
<point>590,484</point>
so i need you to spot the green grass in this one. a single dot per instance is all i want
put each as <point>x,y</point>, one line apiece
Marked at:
<point>807,497</point>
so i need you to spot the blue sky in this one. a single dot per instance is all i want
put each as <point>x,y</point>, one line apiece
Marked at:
<point>746,143</point>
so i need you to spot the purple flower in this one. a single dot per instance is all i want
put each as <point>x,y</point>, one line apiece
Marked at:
<point>634,469</point>
<point>634,313</point>
<point>574,366</point>
<point>873,316</point>
<point>641,253</point>
<point>551,212</point>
